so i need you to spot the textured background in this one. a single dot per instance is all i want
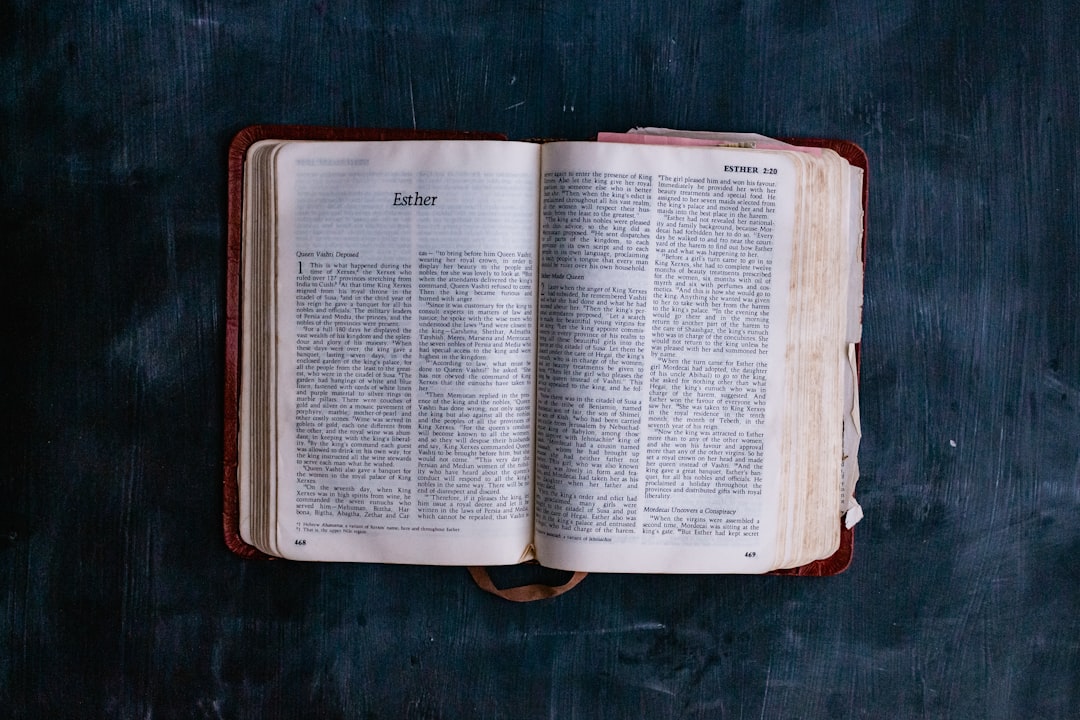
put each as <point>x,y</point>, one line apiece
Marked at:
<point>122,601</point>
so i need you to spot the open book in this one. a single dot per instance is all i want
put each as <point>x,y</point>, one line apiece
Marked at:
<point>630,355</point>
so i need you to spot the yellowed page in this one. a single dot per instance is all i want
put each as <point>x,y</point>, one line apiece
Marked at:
<point>663,303</point>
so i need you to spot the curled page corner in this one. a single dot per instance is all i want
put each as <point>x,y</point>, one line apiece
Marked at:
<point>853,363</point>
<point>852,436</point>
<point>854,514</point>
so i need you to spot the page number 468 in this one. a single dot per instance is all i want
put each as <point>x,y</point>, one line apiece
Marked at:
<point>751,554</point>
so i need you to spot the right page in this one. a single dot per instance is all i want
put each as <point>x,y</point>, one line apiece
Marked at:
<point>674,431</point>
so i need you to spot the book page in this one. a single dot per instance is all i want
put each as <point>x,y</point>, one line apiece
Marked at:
<point>852,225</point>
<point>663,303</point>
<point>405,300</point>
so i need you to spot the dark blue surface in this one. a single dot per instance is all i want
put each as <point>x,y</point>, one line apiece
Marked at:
<point>964,596</point>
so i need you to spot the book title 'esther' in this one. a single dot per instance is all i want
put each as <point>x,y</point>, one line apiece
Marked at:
<point>416,199</point>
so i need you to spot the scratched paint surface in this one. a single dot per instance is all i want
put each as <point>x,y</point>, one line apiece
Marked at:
<point>964,597</point>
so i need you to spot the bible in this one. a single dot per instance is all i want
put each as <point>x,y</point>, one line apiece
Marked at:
<point>633,354</point>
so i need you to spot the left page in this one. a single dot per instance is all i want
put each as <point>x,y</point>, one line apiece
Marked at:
<point>405,349</point>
